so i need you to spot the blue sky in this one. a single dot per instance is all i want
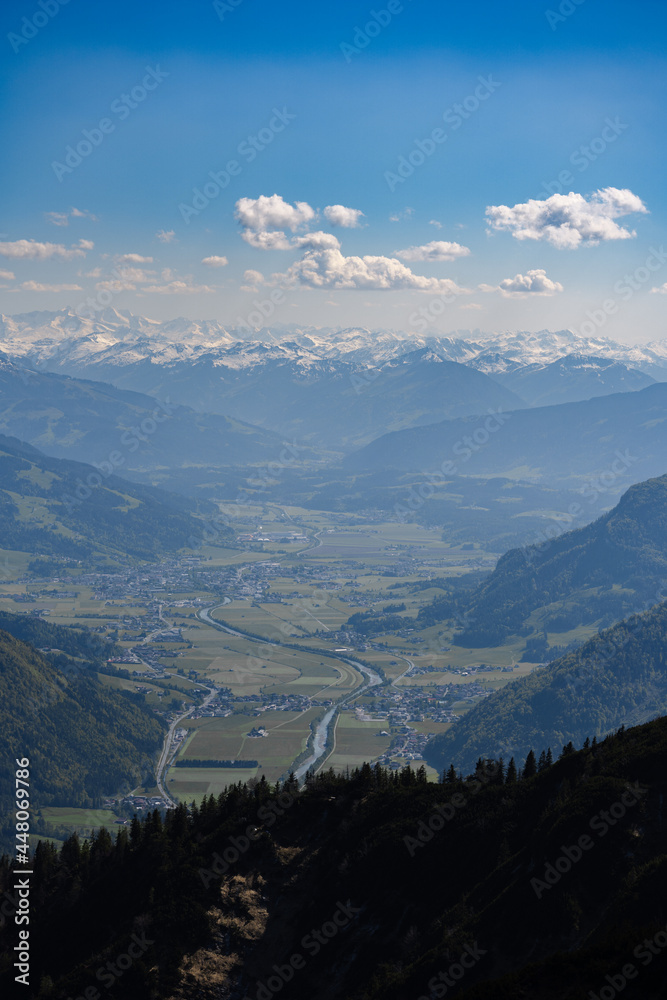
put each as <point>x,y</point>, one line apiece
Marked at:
<point>321,106</point>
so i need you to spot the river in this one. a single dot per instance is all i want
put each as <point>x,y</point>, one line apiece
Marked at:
<point>322,729</point>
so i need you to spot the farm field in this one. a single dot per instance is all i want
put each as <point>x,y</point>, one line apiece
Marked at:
<point>356,742</point>
<point>301,593</point>
<point>227,739</point>
<point>84,821</point>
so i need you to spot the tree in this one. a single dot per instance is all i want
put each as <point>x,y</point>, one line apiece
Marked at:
<point>511,776</point>
<point>530,767</point>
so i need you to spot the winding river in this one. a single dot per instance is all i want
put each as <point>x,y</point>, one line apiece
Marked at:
<point>322,730</point>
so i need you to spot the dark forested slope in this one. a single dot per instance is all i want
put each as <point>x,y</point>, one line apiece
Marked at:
<point>616,678</point>
<point>374,887</point>
<point>83,740</point>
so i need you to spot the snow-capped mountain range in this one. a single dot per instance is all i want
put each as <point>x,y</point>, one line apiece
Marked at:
<point>66,342</point>
<point>332,388</point>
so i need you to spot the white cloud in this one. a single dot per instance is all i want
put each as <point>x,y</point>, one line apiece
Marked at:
<point>62,218</point>
<point>137,275</point>
<point>272,212</point>
<point>114,285</point>
<point>36,286</point>
<point>399,216</point>
<point>166,236</point>
<point>177,287</point>
<point>568,220</point>
<point>253,277</point>
<point>57,218</point>
<point>330,269</point>
<point>133,258</point>
<point>533,282</point>
<point>339,215</point>
<point>32,250</point>
<point>435,250</point>
<point>434,222</point>
<point>7,275</point>
<point>78,213</point>
<point>316,241</point>
<point>215,261</point>
<point>660,290</point>
<point>275,240</point>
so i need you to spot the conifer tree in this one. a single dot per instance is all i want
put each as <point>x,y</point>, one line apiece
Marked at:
<point>530,767</point>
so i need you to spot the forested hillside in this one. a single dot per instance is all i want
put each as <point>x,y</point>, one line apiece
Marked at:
<point>66,509</point>
<point>375,886</point>
<point>604,571</point>
<point>617,677</point>
<point>83,740</point>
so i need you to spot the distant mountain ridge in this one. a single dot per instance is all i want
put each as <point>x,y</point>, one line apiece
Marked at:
<point>602,571</point>
<point>567,442</point>
<point>62,509</point>
<point>53,338</point>
<point>572,378</point>
<point>332,389</point>
<point>91,421</point>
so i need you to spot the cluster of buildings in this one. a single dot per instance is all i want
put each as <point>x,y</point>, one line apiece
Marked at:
<point>407,744</point>
<point>406,704</point>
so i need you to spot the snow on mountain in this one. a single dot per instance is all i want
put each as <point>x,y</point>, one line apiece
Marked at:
<point>116,339</point>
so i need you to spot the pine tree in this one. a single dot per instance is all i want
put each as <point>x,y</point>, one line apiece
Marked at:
<point>530,767</point>
<point>450,777</point>
<point>511,776</point>
<point>550,757</point>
